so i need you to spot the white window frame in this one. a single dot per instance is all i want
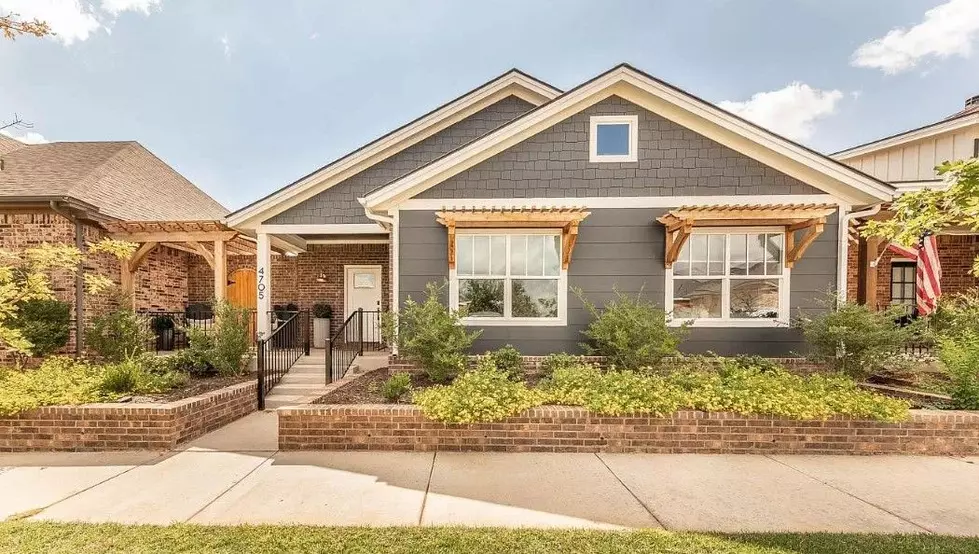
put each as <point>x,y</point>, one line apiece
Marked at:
<point>726,320</point>
<point>596,120</point>
<point>507,320</point>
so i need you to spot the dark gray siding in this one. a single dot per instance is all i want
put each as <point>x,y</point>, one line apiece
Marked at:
<point>620,248</point>
<point>672,160</point>
<point>339,203</point>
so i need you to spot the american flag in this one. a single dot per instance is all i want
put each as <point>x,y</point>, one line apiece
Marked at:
<point>928,278</point>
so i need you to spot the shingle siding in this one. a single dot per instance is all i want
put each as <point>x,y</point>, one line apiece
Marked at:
<point>672,160</point>
<point>339,203</point>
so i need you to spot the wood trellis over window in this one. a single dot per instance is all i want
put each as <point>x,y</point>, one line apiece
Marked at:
<point>566,219</point>
<point>807,219</point>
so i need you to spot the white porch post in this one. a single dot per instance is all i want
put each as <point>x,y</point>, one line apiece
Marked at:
<point>263,283</point>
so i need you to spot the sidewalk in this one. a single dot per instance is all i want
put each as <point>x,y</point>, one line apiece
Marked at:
<point>235,475</point>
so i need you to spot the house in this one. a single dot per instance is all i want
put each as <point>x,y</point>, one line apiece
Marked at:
<point>79,192</point>
<point>907,161</point>
<point>516,194</point>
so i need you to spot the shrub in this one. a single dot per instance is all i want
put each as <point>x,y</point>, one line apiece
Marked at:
<point>855,339</point>
<point>138,376</point>
<point>396,386</point>
<point>45,323</point>
<point>230,340</point>
<point>430,335</point>
<point>569,384</point>
<point>959,354</point>
<point>483,394</point>
<point>508,360</point>
<point>59,380</point>
<point>322,310</point>
<point>558,361</point>
<point>630,332</point>
<point>118,334</point>
<point>956,314</point>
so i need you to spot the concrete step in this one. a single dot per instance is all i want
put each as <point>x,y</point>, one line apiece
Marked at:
<point>303,378</point>
<point>292,389</point>
<point>272,402</point>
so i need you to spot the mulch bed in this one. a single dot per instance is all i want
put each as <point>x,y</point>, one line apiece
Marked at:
<point>366,389</point>
<point>194,387</point>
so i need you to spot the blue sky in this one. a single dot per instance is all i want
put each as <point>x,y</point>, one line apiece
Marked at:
<point>243,97</point>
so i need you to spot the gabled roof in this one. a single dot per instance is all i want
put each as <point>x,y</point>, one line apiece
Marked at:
<point>511,83</point>
<point>121,179</point>
<point>960,120</point>
<point>666,100</point>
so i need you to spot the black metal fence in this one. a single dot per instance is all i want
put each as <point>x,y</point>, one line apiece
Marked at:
<point>171,330</point>
<point>359,333</point>
<point>278,352</point>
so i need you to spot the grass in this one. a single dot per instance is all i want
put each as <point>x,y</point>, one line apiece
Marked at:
<point>30,537</point>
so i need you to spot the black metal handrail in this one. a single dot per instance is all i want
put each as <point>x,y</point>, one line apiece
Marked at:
<point>359,333</point>
<point>278,352</point>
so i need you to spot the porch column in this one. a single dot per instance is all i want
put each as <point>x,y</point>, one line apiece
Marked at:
<point>220,270</point>
<point>263,282</point>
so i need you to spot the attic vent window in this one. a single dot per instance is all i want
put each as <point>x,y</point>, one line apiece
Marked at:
<point>613,138</point>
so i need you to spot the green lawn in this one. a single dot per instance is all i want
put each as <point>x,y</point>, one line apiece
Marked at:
<point>24,537</point>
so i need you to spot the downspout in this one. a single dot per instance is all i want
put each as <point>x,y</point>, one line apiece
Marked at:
<point>385,221</point>
<point>843,246</point>
<point>79,279</point>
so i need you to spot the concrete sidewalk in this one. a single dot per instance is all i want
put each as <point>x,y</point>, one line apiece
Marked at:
<point>235,475</point>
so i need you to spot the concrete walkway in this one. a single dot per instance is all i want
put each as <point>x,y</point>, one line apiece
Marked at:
<point>235,475</point>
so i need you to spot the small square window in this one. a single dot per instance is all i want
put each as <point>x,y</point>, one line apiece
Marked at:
<point>613,138</point>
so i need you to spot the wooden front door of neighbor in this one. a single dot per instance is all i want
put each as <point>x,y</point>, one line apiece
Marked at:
<point>362,290</point>
<point>241,292</point>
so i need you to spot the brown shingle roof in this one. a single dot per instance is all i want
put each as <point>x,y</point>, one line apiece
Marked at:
<point>123,179</point>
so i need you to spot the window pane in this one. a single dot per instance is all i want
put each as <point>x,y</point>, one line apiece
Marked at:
<point>773,255</point>
<point>756,254</point>
<point>754,298</point>
<point>498,247</point>
<point>534,298</point>
<point>696,298</point>
<point>909,292</point>
<point>698,254</point>
<point>518,255</point>
<point>464,254</point>
<point>739,262</point>
<point>552,255</point>
<point>535,254</point>
<point>715,255</point>
<point>612,140</point>
<point>909,272</point>
<point>481,297</point>
<point>481,255</point>
<point>896,273</point>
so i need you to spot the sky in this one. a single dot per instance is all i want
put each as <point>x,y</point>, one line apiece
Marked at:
<point>244,96</point>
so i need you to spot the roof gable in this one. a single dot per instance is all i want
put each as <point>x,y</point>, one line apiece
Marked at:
<point>691,112</point>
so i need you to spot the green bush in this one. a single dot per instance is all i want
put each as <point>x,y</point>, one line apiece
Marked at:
<point>118,334</point>
<point>508,360</point>
<point>45,323</point>
<point>959,354</point>
<point>956,314</point>
<point>230,339</point>
<point>143,375</point>
<point>322,310</point>
<point>396,387</point>
<point>855,339</point>
<point>483,394</point>
<point>430,335</point>
<point>558,361</point>
<point>630,332</point>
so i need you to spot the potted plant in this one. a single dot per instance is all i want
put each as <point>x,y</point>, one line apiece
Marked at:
<point>322,314</point>
<point>162,326</point>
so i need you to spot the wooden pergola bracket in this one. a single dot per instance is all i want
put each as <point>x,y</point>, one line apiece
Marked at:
<point>675,239</point>
<point>794,250</point>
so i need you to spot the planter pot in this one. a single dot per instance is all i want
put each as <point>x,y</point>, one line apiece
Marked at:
<point>164,340</point>
<point>321,332</point>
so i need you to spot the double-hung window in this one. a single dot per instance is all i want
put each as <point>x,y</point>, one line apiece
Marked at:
<point>902,282</point>
<point>733,278</point>
<point>509,277</point>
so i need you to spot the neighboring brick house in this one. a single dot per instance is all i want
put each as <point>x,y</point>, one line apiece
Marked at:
<point>907,160</point>
<point>67,192</point>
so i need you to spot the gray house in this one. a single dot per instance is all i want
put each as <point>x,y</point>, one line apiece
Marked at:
<point>516,194</point>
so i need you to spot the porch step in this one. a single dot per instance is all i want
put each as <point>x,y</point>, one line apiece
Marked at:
<point>304,378</point>
<point>279,400</point>
<point>296,388</point>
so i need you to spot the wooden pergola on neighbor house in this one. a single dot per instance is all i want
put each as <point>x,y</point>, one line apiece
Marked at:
<point>807,219</point>
<point>212,240</point>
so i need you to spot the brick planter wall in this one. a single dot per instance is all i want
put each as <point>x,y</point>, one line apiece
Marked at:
<point>563,429</point>
<point>99,427</point>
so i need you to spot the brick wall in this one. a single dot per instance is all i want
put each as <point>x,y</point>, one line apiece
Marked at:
<point>100,427</point>
<point>563,429</point>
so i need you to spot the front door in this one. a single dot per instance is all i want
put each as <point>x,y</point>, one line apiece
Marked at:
<point>362,290</point>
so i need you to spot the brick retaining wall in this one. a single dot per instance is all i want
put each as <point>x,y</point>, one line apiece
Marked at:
<point>564,429</point>
<point>533,363</point>
<point>98,427</point>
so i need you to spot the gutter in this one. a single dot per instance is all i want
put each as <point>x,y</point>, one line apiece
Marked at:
<point>843,246</point>
<point>384,220</point>
<point>79,277</point>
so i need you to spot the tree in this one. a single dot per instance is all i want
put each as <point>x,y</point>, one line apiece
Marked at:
<point>12,26</point>
<point>25,276</point>
<point>934,210</point>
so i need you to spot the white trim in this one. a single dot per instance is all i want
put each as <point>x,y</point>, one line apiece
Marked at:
<point>348,241</point>
<point>620,202</point>
<point>395,306</point>
<point>323,229</point>
<point>263,284</point>
<point>908,136</point>
<point>380,284</point>
<point>511,83</point>
<point>686,110</point>
<point>631,120</point>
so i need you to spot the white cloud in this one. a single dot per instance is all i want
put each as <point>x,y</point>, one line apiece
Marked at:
<point>115,7</point>
<point>314,36</point>
<point>791,111</point>
<point>73,20</point>
<point>947,30</point>
<point>29,137</point>
<point>226,44</point>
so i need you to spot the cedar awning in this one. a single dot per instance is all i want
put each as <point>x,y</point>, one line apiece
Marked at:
<point>806,218</point>
<point>564,218</point>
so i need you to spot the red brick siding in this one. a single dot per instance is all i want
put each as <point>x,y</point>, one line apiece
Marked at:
<point>563,429</point>
<point>98,427</point>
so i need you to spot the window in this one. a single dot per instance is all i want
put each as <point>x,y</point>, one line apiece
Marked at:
<point>902,282</point>
<point>613,138</point>
<point>509,277</point>
<point>729,278</point>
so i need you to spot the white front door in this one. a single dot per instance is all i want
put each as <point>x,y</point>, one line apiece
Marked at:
<point>362,290</point>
